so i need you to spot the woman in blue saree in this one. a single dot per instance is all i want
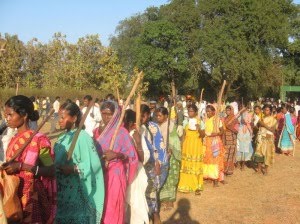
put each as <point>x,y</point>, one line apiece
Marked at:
<point>287,137</point>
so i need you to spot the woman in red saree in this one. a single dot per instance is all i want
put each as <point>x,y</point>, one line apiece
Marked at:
<point>121,163</point>
<point>230,140</point>
<point>34,167</point>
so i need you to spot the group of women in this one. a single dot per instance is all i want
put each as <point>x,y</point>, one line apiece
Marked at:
<point>129,180</point>
<point>89,187</point>
<point>256,136</point>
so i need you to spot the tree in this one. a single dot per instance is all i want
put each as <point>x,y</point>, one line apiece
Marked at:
<point>12,61</point>
<point>112,74</point>
<point>54,70</point>
<point>241,41</point>
<point>162,55</point>
<point>35,58</point>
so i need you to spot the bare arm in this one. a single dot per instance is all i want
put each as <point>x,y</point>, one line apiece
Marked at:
<point>137,138</point>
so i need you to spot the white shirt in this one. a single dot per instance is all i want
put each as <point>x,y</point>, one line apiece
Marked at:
<point>44,104</point>
<point>166,104</point>
<point>92,120</point>
<point>235,107</point>
<point>56,106</point>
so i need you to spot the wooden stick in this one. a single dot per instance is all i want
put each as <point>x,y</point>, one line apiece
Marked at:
<point>17,85</point>
<point>18,153</point>
<point>118,94</point>
<point>138,111</point>
<point>76,135</point>
<point>216,121</point>
<point>201,95</point>
<point>136,83</point>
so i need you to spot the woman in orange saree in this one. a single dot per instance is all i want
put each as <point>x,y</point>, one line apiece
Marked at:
<point>213,167</point>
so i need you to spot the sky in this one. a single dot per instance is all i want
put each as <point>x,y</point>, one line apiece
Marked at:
<point>74,18</point>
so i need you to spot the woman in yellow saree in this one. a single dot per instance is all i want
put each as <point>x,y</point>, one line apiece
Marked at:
<point>191,172</point>
<point>265,148</point>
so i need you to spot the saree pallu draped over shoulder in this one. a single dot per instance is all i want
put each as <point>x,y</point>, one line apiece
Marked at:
<point>37,194</point>
<point>119,173</point>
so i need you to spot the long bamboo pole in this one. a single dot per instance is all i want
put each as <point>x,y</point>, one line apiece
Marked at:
<point>76,135</point>
<point>219,103</point>
<point>138,111</point>
<point>135,86</point>
<point>201,95</point>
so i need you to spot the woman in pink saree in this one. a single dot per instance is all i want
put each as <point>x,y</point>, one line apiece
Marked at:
<point>121,163</point>
<point>34,166</point>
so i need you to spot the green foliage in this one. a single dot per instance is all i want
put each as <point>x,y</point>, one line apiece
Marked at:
<point>12,61</point>
<point>245,42</point>
<point>60,64</point>
<point>161,54</point>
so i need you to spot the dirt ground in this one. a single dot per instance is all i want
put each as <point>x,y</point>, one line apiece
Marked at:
<point>248,197</point>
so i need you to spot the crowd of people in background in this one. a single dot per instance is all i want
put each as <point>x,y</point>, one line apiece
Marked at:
<point>181,145</point>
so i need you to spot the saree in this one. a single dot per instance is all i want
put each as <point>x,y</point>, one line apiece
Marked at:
<point>287,137</point>
<point>230,140</point>
<point>37,194</point>
<point>280,122</point>
<point>158,152</point>
<point>244,137</point>
<point>213,167</point>
<point>84,190</point>
<point>298,128</point>
<point>256,119</point>
<point>119,173</point>
<point>168,191</point>
<point>136,191</point>
<point>191,171</point>
<point>265,143</point>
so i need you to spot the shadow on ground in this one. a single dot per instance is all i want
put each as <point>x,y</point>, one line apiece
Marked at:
<point>182,214</point>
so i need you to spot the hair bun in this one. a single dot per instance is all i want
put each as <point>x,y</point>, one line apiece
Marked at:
<point>34,116</point>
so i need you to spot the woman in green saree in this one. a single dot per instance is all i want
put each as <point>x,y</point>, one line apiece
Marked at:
<point>80,182</point>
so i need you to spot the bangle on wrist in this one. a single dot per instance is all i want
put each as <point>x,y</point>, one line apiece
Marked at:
<point>36,171</point>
